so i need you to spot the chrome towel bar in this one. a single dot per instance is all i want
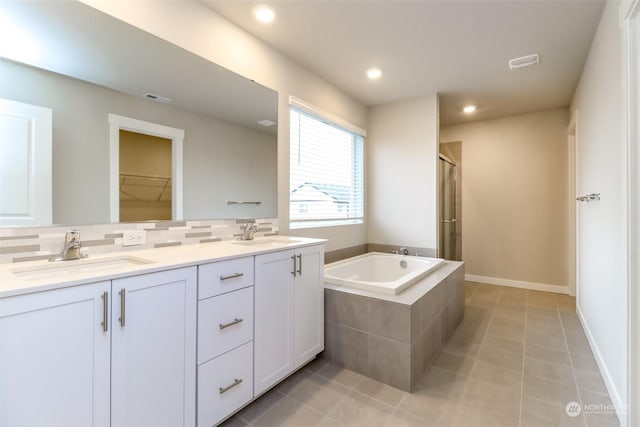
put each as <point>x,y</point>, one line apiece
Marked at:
<point>239,202</point>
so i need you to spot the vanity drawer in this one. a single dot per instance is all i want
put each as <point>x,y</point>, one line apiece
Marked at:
<point>224,322</point>
<point>225,384</point>
<point>224,276</point>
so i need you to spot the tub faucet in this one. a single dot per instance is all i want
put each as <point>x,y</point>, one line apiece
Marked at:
<point>404,251</point>
<point>249,231</point>
<point>71,248</point>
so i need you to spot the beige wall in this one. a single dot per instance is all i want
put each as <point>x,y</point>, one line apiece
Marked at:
<point>141,156</point>
<point>401,154</point>
<point>193,26</point>
<point>514,196</point>
<point>602,232</point>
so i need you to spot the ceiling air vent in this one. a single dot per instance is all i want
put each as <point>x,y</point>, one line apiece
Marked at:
<point>156,98</point>
<point>524,61</point>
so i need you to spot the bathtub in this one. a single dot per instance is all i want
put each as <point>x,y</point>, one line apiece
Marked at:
<point>380,272</point>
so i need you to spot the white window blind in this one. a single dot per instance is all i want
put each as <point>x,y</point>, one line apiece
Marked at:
<point>326,171</point>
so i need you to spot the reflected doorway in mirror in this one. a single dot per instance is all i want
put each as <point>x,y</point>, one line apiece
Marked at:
<point>135,177</point>
<point>25,164</point>
<point>145,177</point>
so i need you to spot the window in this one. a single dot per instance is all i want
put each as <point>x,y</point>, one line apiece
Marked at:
<point>326,169</point>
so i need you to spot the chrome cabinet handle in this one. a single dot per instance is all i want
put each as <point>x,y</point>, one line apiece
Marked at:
<point>294,266</point>
<point>300,265</point>
<point>123,306</point>
<point>105,311</point>
<point>233,276</point>
<point>235,382</point>
<point>234,322</point>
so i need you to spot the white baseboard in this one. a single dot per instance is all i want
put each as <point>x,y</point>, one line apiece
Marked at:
<point>518,284</point>
<point>606,376</point>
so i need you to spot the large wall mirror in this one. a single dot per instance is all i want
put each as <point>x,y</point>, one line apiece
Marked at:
<point>86,66</point>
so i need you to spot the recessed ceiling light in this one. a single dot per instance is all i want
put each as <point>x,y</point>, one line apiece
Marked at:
<point>264,14</point>
<point>374,73</point>
<point>469,109</point>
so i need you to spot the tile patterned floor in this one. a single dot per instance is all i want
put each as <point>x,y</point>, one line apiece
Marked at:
<point>517,359</point>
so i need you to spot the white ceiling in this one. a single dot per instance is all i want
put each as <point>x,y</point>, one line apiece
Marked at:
<point>458,49</point>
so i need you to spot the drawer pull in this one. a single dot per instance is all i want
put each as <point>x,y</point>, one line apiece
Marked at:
<point>233,276</point>
<point>226,325</point>
<point>230,386</point>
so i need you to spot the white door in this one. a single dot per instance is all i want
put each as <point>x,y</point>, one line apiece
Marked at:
<point>309,304</point>
<point>25,164</point>
<point>154,349</point>
<point>54,358</point>
<point>274,299</point>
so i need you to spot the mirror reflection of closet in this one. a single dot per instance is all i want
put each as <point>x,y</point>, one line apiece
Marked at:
<point>145,177</point>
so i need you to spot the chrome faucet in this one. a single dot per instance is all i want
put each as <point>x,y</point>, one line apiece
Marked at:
<point>71,249</point>
<point>250,229</point>
<point>404,251</point>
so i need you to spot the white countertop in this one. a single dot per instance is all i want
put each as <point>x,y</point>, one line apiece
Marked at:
<point>11,284</point>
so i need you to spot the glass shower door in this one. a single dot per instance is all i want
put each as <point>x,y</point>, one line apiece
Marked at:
<point>447,215</point>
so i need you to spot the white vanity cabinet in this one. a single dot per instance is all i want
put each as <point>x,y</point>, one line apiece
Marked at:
<point>55,358</point>
<point>225,338</point>
<point>177,347</point>
<point>119,353</point>
<point>289,312</point>
<point>153,350</point>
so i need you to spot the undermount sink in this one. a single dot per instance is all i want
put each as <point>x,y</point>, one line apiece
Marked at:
<point>269,241</point>
<point>82,266</point>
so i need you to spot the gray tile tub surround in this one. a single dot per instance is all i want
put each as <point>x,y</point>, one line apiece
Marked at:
<point>393,338</point>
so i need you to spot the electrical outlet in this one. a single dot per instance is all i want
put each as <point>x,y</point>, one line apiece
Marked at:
<point>134,237</point>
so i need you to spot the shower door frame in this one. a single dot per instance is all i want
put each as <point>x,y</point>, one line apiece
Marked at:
<point>441,224</point>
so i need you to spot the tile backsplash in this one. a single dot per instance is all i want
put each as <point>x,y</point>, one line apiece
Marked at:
<point>30,244</point>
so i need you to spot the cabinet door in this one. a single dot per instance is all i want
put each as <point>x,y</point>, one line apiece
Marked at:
<point>309,304</point>
<point>274,298</point>
<point>54,358</point>
<point>154,349</point>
